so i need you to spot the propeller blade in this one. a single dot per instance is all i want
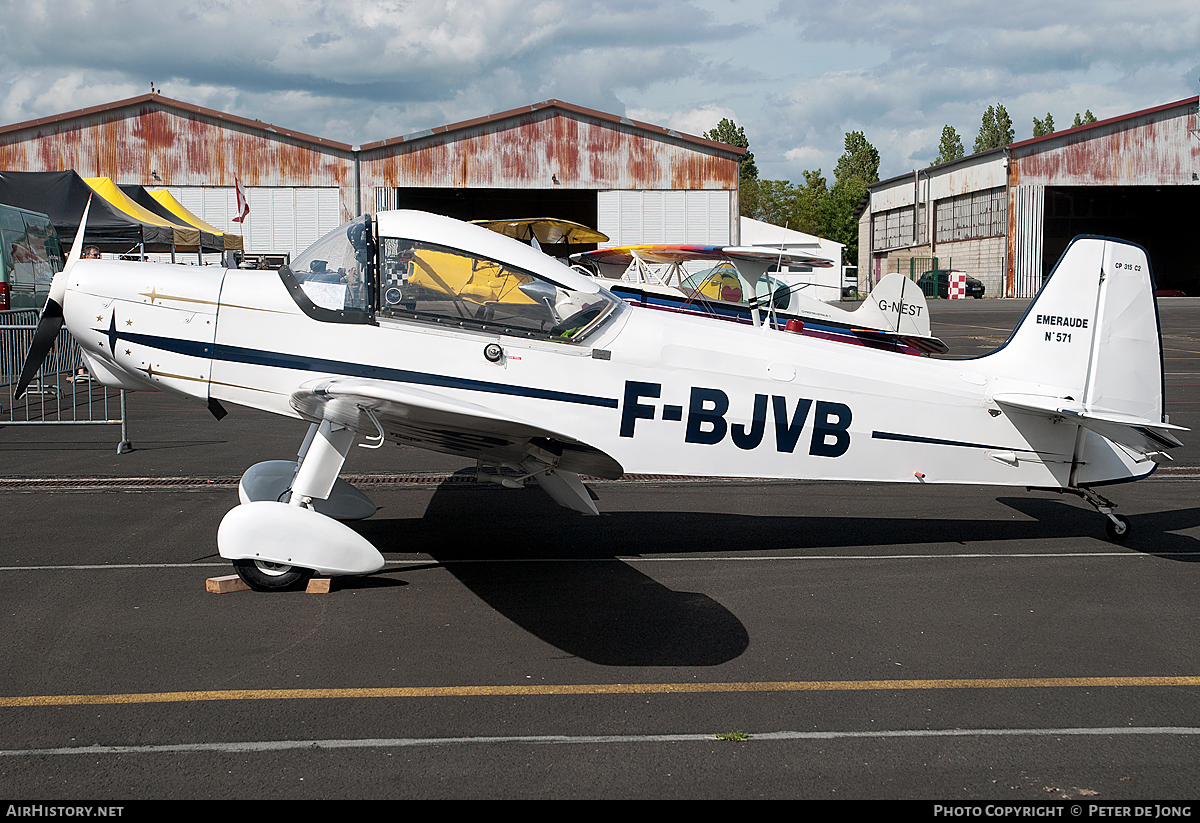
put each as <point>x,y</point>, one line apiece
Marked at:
<point>51,321</point>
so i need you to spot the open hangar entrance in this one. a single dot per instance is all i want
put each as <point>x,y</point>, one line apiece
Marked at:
<point>1158,218</point>
<point>576,205</point>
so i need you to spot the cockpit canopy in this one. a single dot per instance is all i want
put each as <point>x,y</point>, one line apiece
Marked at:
<point>335,272</point>
<point>432,269</point>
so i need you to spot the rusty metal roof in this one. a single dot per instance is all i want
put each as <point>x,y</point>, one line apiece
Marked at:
<point>556,104</point>
<point>168,103</point>
<point>1020,144</point>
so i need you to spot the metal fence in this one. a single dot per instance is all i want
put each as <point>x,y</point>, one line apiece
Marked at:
<point>917,266</point>
<point>60,395</point>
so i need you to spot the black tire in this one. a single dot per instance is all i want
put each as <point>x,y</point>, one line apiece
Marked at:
<point>263,576</point>
<point>1115,533</point>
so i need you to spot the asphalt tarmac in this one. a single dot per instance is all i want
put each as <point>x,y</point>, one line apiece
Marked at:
<point>699,639</point>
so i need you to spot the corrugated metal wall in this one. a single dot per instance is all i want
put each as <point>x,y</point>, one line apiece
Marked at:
<point>133,143</point>
<point>1027,207</point>
<point>636,217</point>
<point>549,148</point>
<point>1156,148</point>
<point>281,220</point>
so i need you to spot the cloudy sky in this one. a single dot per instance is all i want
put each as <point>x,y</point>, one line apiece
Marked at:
<point>796,75</point>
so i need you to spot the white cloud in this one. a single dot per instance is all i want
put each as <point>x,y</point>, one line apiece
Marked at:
<point>796,75</point>
<point>693,121</point>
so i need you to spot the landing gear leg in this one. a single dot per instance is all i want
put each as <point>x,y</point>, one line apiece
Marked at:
<point>1117,527</point>
<point>277,545</point>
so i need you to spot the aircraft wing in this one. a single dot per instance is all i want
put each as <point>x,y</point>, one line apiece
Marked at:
<point>1144,436</point>
<point>439,422</point>
<point>656,254</point>
<point>546,230</point>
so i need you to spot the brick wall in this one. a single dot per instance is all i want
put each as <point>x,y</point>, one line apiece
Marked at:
<point>983,259</point>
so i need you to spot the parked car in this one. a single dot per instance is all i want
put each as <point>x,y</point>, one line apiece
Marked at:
<point>936,283</point>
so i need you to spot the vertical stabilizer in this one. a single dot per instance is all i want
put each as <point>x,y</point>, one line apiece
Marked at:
<point>896,304</point>
<point>1091,334</point>
<point>1088,351</point>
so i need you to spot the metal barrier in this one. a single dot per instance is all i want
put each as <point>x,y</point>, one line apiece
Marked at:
<point>918,266</point>
<point>59,395</point>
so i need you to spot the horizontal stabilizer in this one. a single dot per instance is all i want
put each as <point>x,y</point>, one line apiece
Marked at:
<point>1138,434</point>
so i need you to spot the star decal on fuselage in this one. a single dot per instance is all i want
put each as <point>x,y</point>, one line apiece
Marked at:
<point>112,334</point>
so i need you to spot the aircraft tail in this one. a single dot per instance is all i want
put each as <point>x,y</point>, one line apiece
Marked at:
<point>1088,350</point>
<point>896,304</point>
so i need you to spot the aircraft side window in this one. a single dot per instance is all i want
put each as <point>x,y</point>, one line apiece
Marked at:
<point>334,279</point>
<point>451,287</point>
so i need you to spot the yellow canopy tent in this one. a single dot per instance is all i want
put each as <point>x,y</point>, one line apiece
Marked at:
<point>157,232</point>
<point>233,242</point>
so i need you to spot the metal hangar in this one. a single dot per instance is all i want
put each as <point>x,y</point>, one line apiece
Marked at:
<point>635,182</point>
<point>1006,215</point>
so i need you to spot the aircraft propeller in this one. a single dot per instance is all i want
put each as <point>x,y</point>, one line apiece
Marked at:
<point>51,320</point>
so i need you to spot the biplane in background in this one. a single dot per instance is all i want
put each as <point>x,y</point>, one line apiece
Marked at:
<point>737,283</point>
<point>423,330</point>
<point>545,231</point>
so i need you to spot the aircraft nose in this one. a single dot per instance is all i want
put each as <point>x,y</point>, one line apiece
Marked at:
<point>149,324</point>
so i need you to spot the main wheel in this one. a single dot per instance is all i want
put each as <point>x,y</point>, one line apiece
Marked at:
<point>264,576</point>
<point>1117,532</point>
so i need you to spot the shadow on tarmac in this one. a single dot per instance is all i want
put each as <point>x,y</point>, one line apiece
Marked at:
<point>592,605</point>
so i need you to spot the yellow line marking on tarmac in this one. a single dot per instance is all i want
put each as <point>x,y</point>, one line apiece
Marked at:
<point>603,688</point>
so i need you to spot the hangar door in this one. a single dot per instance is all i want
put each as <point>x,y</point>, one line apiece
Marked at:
<point>282,220</point>
<point>627,217</point>
<point>1159,218</point>
<point>631,218</point>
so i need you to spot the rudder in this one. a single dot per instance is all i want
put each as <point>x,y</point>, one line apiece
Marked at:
<point>1088,350</point>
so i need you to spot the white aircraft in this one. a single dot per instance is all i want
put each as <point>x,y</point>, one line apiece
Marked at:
<point>424,330</point>
<point>740,284</point>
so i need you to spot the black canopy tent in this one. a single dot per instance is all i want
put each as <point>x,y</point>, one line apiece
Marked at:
<point>62,195</point>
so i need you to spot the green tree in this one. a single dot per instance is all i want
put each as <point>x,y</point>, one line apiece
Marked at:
<point>1043,127</point>
<point>813,205</point>
<point>950,147</point>
<point>1087,118</point>
<point>856,169</point>
<point>804,207</point>
<point>860,160</point>
<point>771,201</point>
<point>996,130</point>
<point>732,134</point>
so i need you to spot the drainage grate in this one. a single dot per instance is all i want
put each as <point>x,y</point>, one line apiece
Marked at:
<point>430,479</point>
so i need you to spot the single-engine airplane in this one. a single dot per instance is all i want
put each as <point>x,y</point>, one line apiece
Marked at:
<point>424,330</point>
<point>740,287</point>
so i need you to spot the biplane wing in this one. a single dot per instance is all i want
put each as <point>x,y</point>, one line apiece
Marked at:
<point>545,230</point>
<point>623,256</point>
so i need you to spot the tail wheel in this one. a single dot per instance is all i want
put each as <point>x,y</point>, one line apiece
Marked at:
<point>265,576</point>
<point>1118,532</point>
